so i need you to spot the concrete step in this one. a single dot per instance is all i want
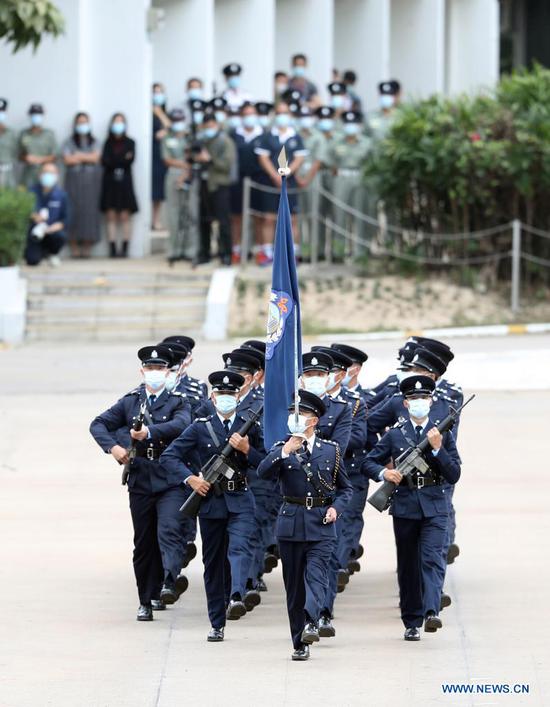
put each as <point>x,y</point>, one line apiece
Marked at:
<point>55,305</point>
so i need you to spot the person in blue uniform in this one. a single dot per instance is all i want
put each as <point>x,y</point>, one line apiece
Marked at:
<point>388,413</point>
<point>315,491</point>
<point>390,385</point>
<point>351,380</point>
<point>271,143</point>
<point>420,513</point>
<point>226,516</point>
<point>195,387</point>
<point>155,493</point>
<point>246,138</point>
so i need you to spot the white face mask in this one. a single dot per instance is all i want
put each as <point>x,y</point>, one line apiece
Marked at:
<point>225,404</point>
<point>171,380</point>
<point>419,408</point>
<point>155,379</point>
<point>331,382</point>
<point>401,375</point>
<point>297,427</point>
<point>315,384</point>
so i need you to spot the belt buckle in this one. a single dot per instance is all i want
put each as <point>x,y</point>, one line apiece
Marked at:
<point>150,453</point>
<point>309,502</point>
<point>420,482</point>
<point>230,485</point>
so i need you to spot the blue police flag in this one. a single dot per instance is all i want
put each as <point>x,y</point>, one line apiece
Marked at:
<point>283,354</point>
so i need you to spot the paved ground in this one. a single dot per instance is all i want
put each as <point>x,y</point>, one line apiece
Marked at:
<point>68,634</point>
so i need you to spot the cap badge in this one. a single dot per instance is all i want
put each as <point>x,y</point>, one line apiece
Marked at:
<point>314,361</point>
<point>418,384</point>
<point>415,359</point>
<point>154,354</point>
<point>228,362</point>
<point>225,379</point>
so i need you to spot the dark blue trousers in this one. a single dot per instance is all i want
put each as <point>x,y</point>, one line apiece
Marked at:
<point>420,566</point>
<point>158,539</point>
<point>305,574</point>
<point>225,551</point>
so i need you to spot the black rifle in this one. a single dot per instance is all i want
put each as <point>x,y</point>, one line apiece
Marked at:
<point>217,467</point>
<point>410,461</point>
<point>138,424</point>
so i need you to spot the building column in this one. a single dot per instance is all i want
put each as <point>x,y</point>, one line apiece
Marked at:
<point>417,58</point>
<point>362,43</point>
<point>306,27</point>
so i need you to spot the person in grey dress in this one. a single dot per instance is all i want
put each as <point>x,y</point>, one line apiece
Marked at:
<point>81,155</point>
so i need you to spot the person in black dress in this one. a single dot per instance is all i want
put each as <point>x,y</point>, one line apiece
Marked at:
<point>118,201</point>
<point>161,127</point>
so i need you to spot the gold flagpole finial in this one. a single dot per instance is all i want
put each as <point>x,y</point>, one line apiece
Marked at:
<point>284,169</point>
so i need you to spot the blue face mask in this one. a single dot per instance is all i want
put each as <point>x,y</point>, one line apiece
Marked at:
<point>250,121</point>
<point>37,119</point>
<point>234,81</point>
<point>198,115</point>
<point>194,94</point>
<point>316,384</point>
<point>297,427</point>
<point>159,99</point>
<point>178,126</point>
<point>352,128</point>
<point>172,380</point>
<point>307,122</point>
<point>264,120</point>
<point>2,116</point>
<point>299,71</point>
<point>82,128</point>
<point>48,179</point>
<point>346,380</point>
<point>220,116</point>
<point>337,101</point>
<point>282,120</point>
<point>209,133</point>
<point>325,125</point>
<point>118,128</point>
<point>419,407</point>
<point>386,101</point>
<point>234,121</point>
<point>225,404</point>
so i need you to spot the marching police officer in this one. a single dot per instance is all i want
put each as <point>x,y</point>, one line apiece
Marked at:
<point>420,513</point>
<point>351,379</point>
<point>195,389</point>
<point>155,493</point>
<point>226,516</point>
<point>315,492</point>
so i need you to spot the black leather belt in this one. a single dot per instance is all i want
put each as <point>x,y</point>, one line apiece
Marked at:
<point>149,453</point>
<point>226,485</point>
<point>308,501</point>
<point>419,481</point>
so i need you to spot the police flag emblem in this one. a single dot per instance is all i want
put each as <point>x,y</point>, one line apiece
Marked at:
<point>280,307</point>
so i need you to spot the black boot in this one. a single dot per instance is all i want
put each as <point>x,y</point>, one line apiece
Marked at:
<point>124,249</point>
<point>112,250</point>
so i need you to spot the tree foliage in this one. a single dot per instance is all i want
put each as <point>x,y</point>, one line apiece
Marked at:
<point>25,22</point>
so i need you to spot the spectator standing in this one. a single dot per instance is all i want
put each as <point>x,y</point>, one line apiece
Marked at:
<point>234,94</point>
<point>161,126</point>
<point>300,82</point>
<point>353,102</point>
<point>37,146</point>
<point>47,230</point>
<point>280,85</point>
<point>271,143</point>
<point>118,200</point>
<point>81,156</point>
<point>8,148</point>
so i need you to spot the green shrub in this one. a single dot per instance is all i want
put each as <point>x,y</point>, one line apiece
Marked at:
<point>15,209</point>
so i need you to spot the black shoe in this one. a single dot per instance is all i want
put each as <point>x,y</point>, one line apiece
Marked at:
<point>270,562</point>
<point>452,553</point>
<point>445,601</point>
<point>181,584</point>
<point>412,634</point>
<point>301,653</point>
<point>190,555</point>
<point>124,253</point>
<point>215,635</point>
<point>432,623</point>
<point>326,629</point>
<point>157,605</point>
<point>145,613</point>
<point>274,550</point>
<point>112,250</point>
<point>261,586</point>
<point>310,634</point>
<point>235,610</point>
<point>343,579</point>
<point>169,594</point>
<point>359,551</point>
<point>354,566</point>
<point>251,599</point>
<point>201,260</point>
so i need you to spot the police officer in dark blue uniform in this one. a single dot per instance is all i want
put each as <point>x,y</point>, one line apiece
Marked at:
<point>315,491</point>
<point>193,387</point>
<point>155,493</point>
<point>390,385</point>
<point>420,514</point>
<point>351,379</point>
<point>226,516</point>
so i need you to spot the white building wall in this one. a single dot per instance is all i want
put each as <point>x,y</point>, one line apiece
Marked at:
<point>417,46</point>
<point>472,45</point>
<point>362,43</point>
<point>306,27</point>
<point>245,34</point>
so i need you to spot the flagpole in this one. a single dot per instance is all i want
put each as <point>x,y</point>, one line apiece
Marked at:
<point>284,171</point>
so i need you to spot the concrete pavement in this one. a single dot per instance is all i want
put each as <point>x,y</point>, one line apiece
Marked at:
<point>68,633</point>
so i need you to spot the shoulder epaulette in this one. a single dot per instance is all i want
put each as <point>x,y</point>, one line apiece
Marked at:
<point>204,419</point>
<point>340,400</point>
<point>279,443</point>
<point>135,391</point>
<point>329,441</point>
<point>177,392</point>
